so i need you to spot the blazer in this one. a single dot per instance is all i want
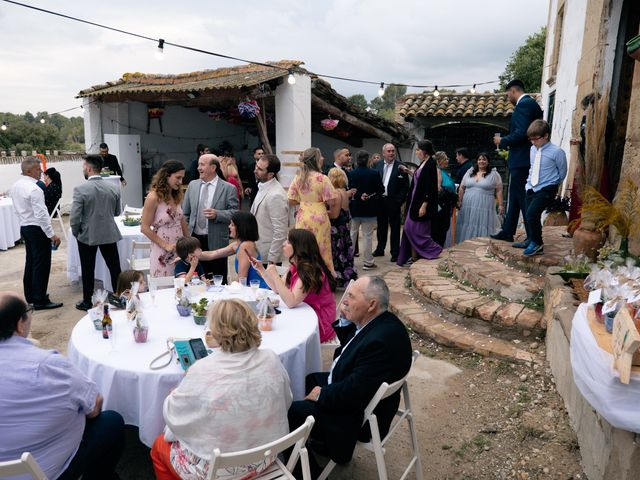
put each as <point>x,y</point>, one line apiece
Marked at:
<point>365,180</point>
<point>271,209</point>
<point>225,201</point>
<point>398,186</point>
<point>380,352</point>
<point>426,189</point>
<point>527,110</point>
<point>95,203</point>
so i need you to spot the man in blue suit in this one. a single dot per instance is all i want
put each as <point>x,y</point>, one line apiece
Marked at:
<point>526,111</point>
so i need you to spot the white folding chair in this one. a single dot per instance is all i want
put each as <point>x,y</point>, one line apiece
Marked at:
<point>160,282</point>
<point>132,210</point>
<point>55,210</point>
<point>376,445</point>
<point>27,465</point>
<point>277,470</point>
<point>141,264</point>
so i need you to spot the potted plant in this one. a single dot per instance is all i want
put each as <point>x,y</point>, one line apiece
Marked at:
<point>200,311</point>
<point>575,266</point>
<point>557,212</point>
<point>140,328</point>
<point>184,306</point>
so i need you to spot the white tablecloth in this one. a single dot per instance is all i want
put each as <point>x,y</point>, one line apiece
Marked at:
<point>9,226</point>
<point>120,367</point>
<point>129,234</point>
<point>598,382</point>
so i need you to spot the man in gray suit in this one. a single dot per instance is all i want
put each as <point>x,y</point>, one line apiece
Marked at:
<point>271,210</point>
<point>95,203</point>
<point>207,206</point>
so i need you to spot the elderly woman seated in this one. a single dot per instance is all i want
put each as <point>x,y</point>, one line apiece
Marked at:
<point>235,399</point>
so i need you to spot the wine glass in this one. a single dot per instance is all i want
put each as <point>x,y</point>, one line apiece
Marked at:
<point>254,284</point>
<point>497,136</point>
<point>153,288</point>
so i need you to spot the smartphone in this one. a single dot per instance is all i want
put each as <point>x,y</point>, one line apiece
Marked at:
<point>198,348</point>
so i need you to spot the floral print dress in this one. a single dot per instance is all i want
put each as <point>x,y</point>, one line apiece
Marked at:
<point>167,224</point>
<point>312,214</point>
<point>342,248</point>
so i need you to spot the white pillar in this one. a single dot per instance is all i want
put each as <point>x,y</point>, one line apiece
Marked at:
<point>293,124</point>
<point>92,125</point>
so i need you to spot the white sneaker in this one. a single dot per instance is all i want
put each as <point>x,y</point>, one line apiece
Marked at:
<point>369,267</point>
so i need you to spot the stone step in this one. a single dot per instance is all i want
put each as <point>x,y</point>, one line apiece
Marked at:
<point>452,296</point>
<point>556,247</point>
<point>445,330</point>
<point>470,262</point>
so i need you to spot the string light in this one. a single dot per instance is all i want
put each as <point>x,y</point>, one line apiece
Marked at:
<point>381,89</point>
<point>473,89</point>
<point>160,50</point>
<point>291,80</point>
<point>436,93</point>
<point>4,126</point>
<point>42,120</point>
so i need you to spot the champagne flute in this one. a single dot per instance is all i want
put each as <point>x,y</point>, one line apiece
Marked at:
<point>153,288</point>
<point>497,136</point>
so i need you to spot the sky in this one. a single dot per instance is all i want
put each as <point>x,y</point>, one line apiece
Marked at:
<point>46,60</point>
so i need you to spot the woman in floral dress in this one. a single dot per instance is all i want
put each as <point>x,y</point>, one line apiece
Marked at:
<point>341,246</point>
<point>162,220</point>
<point>313,192</point>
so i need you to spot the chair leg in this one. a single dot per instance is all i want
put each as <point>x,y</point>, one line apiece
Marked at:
<point>327,470</point>
<point>412,432</point>
<point>378,450</point>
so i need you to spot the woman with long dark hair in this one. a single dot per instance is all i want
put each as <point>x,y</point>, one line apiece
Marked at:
<point>422,207</point>
<point>478,193</point>
<point>163,212</point>
<point>308,280</point>
<point>52,189</point>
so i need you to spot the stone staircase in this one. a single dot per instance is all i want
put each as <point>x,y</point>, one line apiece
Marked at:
<point>482,296</point>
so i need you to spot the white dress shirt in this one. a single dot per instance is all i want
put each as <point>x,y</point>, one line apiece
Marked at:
<point>387,168</point>
<point>212,190</point>
<point>28,202</point>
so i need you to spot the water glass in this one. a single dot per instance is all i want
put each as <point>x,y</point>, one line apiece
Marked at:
<point>255,285</point>
<point>243,281</point>
<point>217,280</point>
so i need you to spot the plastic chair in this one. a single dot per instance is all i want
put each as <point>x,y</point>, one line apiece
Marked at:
<point>141,264</point>
<point>27,465</point>
<point>376,445</point>
<point>55,210</point>
<point>277,469</point>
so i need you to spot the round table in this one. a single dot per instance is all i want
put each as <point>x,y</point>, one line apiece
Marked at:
<point>9,225</point>
<point>120,367</point>
<point>101,272</point>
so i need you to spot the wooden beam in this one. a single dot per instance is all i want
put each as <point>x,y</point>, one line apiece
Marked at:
<point>356,122</point>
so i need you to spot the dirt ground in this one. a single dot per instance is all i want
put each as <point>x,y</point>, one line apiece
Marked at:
<point>476,418</point>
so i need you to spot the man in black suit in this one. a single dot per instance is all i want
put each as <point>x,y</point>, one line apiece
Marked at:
<point>527,110</point>
<point>464,163</point>
<point>252,190</point>
<point>341,160</point>
<point>111,162</point>
<point>375,348</point>
<point>396,187</point>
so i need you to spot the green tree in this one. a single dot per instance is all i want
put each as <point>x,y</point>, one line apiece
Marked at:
<point>25,132</point>
<point>385,106</point>
<point>526,63</point>
<point>359,100</point>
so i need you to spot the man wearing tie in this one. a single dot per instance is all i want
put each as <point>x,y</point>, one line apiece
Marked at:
<point>547,172</point>
<point>207,206</point>
<point>396,186</point>
<point>526,111</point>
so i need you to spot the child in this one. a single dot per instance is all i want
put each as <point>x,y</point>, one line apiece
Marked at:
<point>189,251</point>
<point>126,278</point>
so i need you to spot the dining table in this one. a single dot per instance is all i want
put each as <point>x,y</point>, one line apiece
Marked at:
<point>9,225</point>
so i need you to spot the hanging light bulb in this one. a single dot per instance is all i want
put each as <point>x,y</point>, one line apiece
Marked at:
<point>473,89</point>
<point>4,126</point>
<point>160,51</point>
<point>42,120</point>
<point>291,80</point>
<point>381,89</point>
<point>436,93</point>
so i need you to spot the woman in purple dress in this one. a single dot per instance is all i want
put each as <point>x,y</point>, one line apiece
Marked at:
<point>422,206</point>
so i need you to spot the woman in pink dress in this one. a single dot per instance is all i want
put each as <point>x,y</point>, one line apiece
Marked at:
<point>308,280</point>
<point>162,220</point>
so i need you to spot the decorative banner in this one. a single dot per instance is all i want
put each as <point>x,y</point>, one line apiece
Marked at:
<point>329,124</point>
<point>249,109</point>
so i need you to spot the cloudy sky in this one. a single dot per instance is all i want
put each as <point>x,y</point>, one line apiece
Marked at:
<point>46,60</point>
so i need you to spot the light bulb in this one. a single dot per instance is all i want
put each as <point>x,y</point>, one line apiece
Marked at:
<point>381,89</point>
<point>160,51</point>
<point>436,93</point>
<point>291,80</point>
<point>4,126</point>
<point>42,120</point>
<point>473,89</point>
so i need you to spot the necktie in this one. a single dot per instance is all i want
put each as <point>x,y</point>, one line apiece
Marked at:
<point>202,220</point>
<point>535,174</point>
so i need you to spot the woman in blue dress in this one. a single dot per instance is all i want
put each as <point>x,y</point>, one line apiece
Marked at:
<point>447,198</point>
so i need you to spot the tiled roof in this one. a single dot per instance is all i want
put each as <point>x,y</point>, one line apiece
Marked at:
<point>455,105</point>
<point>221,78</point>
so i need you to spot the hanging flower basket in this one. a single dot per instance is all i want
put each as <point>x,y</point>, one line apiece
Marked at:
<point>249,109</point>
<point>329,124</point>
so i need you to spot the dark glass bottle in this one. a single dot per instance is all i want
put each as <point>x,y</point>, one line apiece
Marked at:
<point>107,324</point>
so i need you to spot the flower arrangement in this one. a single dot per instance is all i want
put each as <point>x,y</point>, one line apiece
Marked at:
<point>575,266</point>
<point>329,124</point>
<point>200,311</point>
<point>128,221</point>
<point>105,172</point>
<point>249,109</point>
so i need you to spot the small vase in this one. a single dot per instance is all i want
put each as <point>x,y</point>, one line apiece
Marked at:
<point>200,319</point>
<point>140,334</point>
<point>587,242</point>
<point>184,311</point>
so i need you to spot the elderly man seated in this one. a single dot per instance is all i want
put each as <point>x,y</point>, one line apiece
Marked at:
<point>375,348</point>
<point>49,408</point>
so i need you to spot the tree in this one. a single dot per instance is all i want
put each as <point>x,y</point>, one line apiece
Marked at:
<point>526,63</point>
<point>359,100</point>
<point>385,106</point>
<point>25,132</point>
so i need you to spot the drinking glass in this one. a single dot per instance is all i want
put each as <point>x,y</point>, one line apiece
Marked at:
<point>153,288</point>
<point>217,280</point>
<point>498,136</point>
<point>254,284</point>
<point>243,281</point>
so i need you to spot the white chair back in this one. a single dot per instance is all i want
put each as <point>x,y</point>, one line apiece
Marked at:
<point>26,465</point>
<point>141,264</point>
<point>160,282</point>
<point>56,210</point>
<point>277,469</point>
<point>132,210</point>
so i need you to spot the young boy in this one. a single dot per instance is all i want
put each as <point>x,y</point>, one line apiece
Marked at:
<point>189,251</point>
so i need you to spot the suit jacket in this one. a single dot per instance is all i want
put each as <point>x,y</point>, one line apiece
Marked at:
<point>95,203</point>
<point>380,352</point>
<point>225,201</point>
<point>527,110</point>
<point>426,190</point>
<point>111,162</point>
<point>365,180</point>
<point>398,186</point>
<point>271,209</point>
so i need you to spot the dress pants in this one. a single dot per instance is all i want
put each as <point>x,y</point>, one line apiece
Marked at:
<point>517,201</point>
<point>35,280</point>
<point>87,253</point>
<point>368,225</point>
<point>389,216</point>
<point>100,449</point>
<point>537,202</point>
<point>212,267</point>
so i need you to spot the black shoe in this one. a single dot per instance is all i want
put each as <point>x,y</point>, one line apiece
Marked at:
<point>47,306</point>
<point>84,305</point>
<point>378,253</point>
<point>502,236</point>
<point>394,259</point>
